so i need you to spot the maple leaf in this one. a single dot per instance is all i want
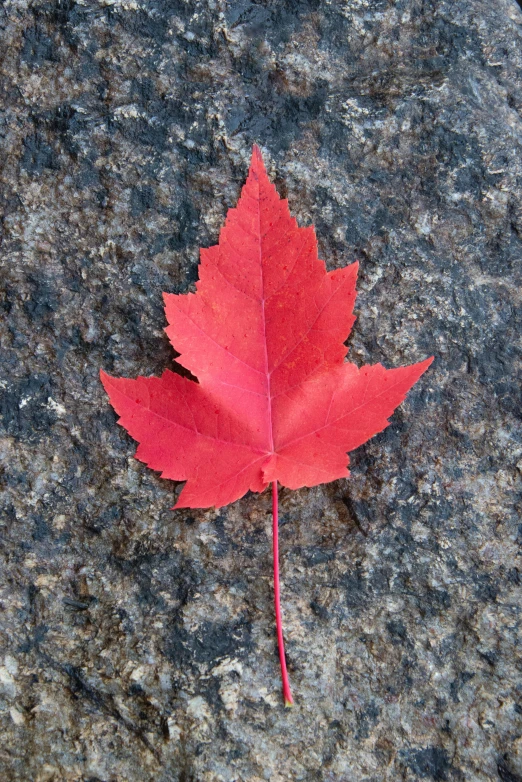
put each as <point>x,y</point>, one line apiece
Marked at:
<point>264,334</point>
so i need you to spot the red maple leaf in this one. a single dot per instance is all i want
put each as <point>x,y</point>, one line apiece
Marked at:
<point>264,334</point>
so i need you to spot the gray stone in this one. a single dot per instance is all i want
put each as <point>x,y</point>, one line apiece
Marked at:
<point>138,643</point>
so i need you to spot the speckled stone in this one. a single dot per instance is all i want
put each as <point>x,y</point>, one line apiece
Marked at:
<point>137,644</point>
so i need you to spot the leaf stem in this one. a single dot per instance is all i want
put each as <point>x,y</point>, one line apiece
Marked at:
<point>287,694</point>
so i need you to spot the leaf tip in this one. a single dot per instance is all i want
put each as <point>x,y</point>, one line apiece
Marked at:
<point>426,363</point>
<point>104,377</point>
<point>257,163</point>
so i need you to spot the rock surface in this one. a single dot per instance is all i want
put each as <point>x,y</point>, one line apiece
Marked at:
<point>137,643</point>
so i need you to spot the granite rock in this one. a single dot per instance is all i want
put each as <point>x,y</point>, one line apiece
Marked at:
<point>137,644</point>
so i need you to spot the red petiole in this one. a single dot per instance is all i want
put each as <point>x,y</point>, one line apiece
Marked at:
<point>287,694</point>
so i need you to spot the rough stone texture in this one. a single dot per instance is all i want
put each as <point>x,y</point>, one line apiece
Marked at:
<point>138,643</point>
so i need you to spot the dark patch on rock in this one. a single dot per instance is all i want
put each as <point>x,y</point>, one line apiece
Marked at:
<point>210,643</point>
<point>505,772</point>
<point>24,407</point>
<point>142,198</point>
<point>38,47</point>
<point>428,763</point>
<point>38,155</point>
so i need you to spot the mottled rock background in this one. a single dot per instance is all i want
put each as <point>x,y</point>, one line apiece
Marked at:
<point>138,643</point>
